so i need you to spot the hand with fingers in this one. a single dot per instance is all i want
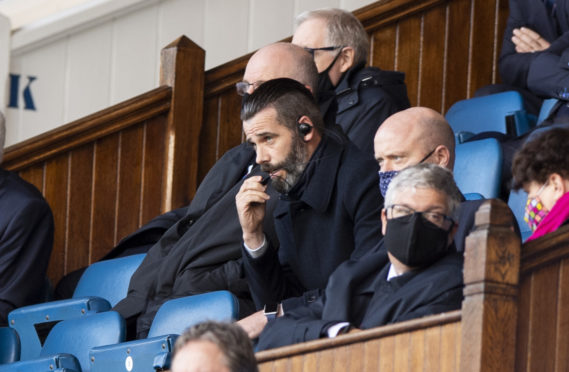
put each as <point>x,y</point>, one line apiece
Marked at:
<point>528,41</point>
<point>251,200</point>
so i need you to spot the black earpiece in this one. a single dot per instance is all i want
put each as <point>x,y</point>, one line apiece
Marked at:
<point>304,128</point>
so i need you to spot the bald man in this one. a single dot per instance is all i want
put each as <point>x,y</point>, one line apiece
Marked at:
<point>414,136</point>
<point>288,60</point>
<point>201,252</point>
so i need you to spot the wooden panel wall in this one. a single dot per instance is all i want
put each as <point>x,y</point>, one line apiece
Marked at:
<point>543,326</point>
<point>428,344</point>
<point>447,48</point>
<point>107,174</point>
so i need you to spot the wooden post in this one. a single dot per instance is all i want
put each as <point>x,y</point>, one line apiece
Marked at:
<point>182,68</point>
<point>491,275</point>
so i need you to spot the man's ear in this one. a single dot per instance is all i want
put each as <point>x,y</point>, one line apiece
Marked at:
<point>383,221</point>
<point>306,120</point>
<point>442,156</point>
<point>346,59</point>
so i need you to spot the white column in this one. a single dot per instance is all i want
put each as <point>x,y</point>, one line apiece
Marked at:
<point>4,60</point>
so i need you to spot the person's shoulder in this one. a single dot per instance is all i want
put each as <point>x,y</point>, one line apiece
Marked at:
<point>371,76</point>
<point>18,189</point>
<point>449,266</point>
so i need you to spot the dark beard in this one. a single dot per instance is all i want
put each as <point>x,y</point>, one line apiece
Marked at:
<point>294,165</point>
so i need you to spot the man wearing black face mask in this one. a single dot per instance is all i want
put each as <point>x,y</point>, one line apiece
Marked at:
<point>366,96</point>
<point>423,277</point>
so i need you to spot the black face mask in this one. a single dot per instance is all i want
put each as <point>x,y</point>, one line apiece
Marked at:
<point>415,241</point>
<point>324,82</point>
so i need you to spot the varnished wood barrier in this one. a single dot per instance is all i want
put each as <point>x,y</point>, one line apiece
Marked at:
<point>110,172</point>
<point>543,321</point>
<point>447,48</point>
<point>479,337</point>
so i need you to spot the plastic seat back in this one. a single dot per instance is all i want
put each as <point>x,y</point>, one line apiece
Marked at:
<point>502,112</point>
<point>175,316</point>
<point>9,345</point>
<point>478,167</point>
<point>172,319</point>
<point>67,346</point>
<point>78,336</point>
<point>101,286</point>
<point>108,279</point>
<point>545,109</point>
<point>517,203</point>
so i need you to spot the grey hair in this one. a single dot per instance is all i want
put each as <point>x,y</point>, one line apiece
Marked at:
<point>344,29</point>
<point>231,340</point>
<point>426,176</point>
<point>2,135</point>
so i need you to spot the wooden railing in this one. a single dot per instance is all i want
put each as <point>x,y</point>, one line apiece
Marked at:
<point>110,172</point>
<point>479,337</point>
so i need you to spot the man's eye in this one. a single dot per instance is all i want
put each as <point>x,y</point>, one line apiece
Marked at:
<point>269,139</point>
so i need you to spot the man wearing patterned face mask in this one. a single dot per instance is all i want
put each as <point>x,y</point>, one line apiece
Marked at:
<point>414,136</point>
<point>423,276</point>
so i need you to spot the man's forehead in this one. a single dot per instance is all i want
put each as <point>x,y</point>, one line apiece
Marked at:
<point>263,122</point>
<point>420,198</point>
<point>268,66</point>
<point>311,33</point>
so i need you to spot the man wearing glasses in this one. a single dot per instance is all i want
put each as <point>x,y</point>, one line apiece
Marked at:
<point>423,276</point>
<point>366,96</point>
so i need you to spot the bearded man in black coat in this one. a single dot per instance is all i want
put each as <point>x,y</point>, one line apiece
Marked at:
<point>423,276</point>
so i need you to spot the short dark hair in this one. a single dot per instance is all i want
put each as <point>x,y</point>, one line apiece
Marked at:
<point>229,338</point>
<point>289,98</point>
<point>540,157</point>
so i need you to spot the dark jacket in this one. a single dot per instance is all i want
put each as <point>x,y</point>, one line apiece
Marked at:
<point>26,241</point>
<point>358,292</point>
<point>367,96</point>
<point>545,73</point>
<point>201,252</point>
<point>332,214</point>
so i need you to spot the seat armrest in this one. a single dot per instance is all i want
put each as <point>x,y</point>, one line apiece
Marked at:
<point>162,361</point>
<point>59,362</point>
<point>24,319</point>
<point>139,353</point>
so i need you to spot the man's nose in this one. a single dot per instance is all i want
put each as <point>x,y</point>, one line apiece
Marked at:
<point>386,166</point>
<point>262,155</point>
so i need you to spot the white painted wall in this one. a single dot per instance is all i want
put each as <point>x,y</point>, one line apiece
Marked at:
<point>106,51</point>
<point>4,59</point>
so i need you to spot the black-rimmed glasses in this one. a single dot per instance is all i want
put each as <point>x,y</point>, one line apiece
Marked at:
<point>330,48</point>
<point>441,220</point>
<point>243,86</point>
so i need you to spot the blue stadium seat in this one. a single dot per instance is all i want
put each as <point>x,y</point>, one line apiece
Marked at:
<point>171,320</point>
<point>478,167</point>
<point>517,203</point>
<point>546,107</point>
<point>101,286</point>
<point>9,345</point>
<point>501,112</point>
<point>67,345</point>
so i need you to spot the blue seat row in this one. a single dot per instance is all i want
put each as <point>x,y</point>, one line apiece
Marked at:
<point>88,337</point>
<point>97,342</point>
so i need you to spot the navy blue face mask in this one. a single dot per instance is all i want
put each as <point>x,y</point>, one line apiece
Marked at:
<point>386,177</point>
<point>384,180</point>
